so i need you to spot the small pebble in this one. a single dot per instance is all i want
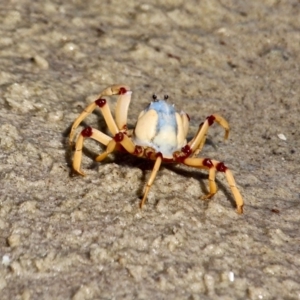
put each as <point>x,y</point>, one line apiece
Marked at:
<point>281,136</point>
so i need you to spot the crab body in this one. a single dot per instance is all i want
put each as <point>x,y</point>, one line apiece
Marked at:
<point>159,135</point>
<point>160,127</point>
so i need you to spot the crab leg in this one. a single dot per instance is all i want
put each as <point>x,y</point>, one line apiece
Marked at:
<point>185,122</point>
<point>119,139</point>
<point>111,143</point>
<point>213,166</point>
<point>110,91</point>
<point>110,122</point>
<point>122,109</point>
<point>200,146</point>
<point>151,179</point>
<point>197,142</point>
<point>109,149</point>
<point>88,132</point>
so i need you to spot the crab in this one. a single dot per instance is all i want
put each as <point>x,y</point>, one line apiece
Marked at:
<point>159,135</point>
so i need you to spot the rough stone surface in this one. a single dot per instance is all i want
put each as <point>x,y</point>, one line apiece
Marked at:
<point>72,237</point>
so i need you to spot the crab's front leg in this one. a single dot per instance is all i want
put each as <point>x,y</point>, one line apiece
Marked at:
<point>213,166</point>
<point>110,91</point>
<point>92,133</point>
<point>121,111</point>
<point>120,138</point>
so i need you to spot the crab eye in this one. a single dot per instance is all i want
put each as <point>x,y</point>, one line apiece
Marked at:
<point>154,97</point>
<point>166,97</point>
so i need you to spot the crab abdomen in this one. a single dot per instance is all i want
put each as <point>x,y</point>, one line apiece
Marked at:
<point>160,127</point>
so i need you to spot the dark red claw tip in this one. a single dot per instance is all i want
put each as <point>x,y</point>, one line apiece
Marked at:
<point>138,150</point>
<point>188,117</point>
<point>87,132</point>
<point>186,150</point>
<point>122,91</point>
<point>221,167</point>
<point>211,120</point>
<point>100,102</point>
<point>207,163</point>
<point>119,137</point>
<point>159,154</point>
<point>148,154</point>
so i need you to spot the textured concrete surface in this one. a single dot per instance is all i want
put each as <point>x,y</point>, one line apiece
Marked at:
<point>66,237</point>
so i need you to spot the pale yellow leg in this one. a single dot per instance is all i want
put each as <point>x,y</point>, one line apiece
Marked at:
<point>88,110</point>
<point>113,90</point>
<point>236,193</point>
<point>220,120</point>
<point>198,141</point>
<point>100,137</point>
<point>110,122</point>
<point>96,135</point>
<point>199,148</point>
<point>109,149</point>
<point>122,109</point>
<point>78,155</point>
<point>151,179</point>
<point>110,91</point>
<point>212,184</point>
<point>198,163</point>
<point>185,122</point>
<point>212,166</point>
<point>128,144</point>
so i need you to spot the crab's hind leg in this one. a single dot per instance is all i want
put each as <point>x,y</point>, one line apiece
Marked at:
<point>156,167</point>
<point>213,166</point>
<point>94,134</point>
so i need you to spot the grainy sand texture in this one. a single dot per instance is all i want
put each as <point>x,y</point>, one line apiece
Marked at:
<point>74,237</point>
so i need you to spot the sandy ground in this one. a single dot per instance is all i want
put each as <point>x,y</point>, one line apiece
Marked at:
<point>72,237</point>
